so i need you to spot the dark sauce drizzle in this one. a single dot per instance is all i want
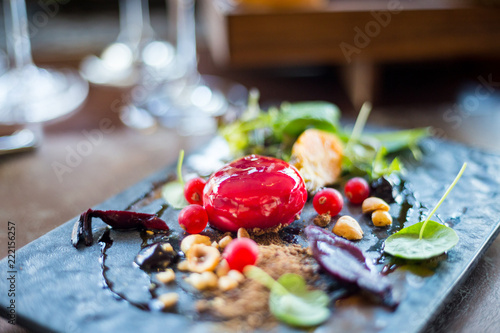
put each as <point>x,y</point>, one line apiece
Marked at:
<point>106,242</point>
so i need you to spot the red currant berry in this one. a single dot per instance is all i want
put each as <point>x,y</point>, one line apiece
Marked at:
<point>193,219</point>
<point>193,191</point>
<point>328,201</point>
<point>357,190</point>
<point>240,253</point>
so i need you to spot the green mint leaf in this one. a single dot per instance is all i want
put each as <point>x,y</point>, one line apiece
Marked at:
<point>290,301</point>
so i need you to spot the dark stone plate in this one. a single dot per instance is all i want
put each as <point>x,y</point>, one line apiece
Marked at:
<point>62,289</point>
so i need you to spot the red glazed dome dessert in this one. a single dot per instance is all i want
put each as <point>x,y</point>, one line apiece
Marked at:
<point>254,192</point>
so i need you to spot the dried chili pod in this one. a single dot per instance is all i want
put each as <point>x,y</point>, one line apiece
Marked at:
<point>119,219</point>
<point>346,263</point>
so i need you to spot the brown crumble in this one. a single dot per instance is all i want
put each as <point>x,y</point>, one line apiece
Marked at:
<point>322,220</point>
<point>246,307</point>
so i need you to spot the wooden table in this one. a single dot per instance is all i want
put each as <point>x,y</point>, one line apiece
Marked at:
<point>32,196</point>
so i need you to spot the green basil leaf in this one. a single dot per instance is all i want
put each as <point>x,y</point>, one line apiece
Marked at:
<point>173,193</point>
<point>437,239</point>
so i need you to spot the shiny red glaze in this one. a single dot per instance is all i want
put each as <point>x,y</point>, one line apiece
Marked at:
<point>254,192</point>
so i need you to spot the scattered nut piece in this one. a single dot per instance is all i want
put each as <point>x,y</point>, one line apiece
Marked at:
<point>168,299</point>
<point>196,281</point>
<point>166,277</point>
<point>167,247</point>
<point>348,228</point>
<point>381,218</point>
<point>203,281</point>
<point>191,240</point>
<point>242,232</point>
<point>202,258</point>
<point>183,266</point>
<point>225,242</point>
<point>227,283</point>
<point>210,279</point>
<point>218,302</point>
<point>372,204</point>
<point>236,275</point>
<point>222,268</point>
<point>322,220</point>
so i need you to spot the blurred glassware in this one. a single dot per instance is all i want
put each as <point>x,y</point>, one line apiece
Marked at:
<point>4,62</point>
<point>136,50</point>
<point>30,94</point>
<point>189,101</point>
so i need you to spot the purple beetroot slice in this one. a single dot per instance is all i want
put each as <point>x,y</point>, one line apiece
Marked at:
<point>346,262</point>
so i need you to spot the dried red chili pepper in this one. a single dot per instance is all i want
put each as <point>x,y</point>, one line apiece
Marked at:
<point>119,219</point>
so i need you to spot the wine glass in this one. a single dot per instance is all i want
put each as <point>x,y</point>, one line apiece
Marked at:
<point>189,101</point>
<point>30,95</point>
<point>136,49</point>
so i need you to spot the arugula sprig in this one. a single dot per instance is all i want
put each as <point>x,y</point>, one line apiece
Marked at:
<point>290,301</point>
<point>425,239</point>
<point>273,133</point>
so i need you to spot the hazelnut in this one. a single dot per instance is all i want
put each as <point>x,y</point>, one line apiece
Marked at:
<point>348,228</point>
<point>168,300</point>
<point>222,268</point>
<point>381,218</point>
<point>225,242</point>
<point>166,277</point>
<point>202,258</point>
<point>227,283</point>
<point>191,240</point>
<point>236,275</point>
<point>242,232</point>
<point>372,204</point>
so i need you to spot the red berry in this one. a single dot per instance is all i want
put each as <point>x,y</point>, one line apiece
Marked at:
<point>193,191</point>
<point>328,201</point>
<point>357,190</point>
<point>240,253</point>
<point>193,219</point>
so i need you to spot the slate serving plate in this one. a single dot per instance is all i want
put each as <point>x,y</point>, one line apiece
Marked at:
<point>61,289</point>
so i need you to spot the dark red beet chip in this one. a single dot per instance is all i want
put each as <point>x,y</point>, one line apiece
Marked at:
<point>346,263</point>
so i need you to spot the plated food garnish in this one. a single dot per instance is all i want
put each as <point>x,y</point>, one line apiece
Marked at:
<point>239,243</point>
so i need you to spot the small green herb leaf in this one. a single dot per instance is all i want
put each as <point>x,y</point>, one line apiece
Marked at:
<point>426,239</point>
<point>295,118</point>
<point>290,301</point>
<point>173,192</point>
<point>437,239</point>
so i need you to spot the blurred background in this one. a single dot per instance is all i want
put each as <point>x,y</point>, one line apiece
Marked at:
<point>420,62</point>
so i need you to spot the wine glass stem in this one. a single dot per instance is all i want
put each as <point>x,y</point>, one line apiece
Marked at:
<point>186,38</point>
<point>16,27</point>
<point>134,22</point>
